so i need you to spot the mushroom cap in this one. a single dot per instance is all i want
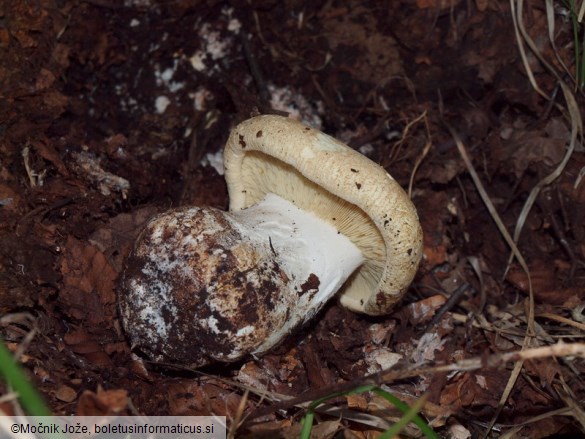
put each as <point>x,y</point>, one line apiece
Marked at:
<point>274,154</point>
<point>197,290</point>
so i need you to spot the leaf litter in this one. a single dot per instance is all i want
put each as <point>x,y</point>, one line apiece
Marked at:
<point>108,109</point>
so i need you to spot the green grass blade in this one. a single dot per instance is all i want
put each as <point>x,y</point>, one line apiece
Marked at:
<point>404,408</point>
<point>307,425</point>
<point>15,377</point>
<point>404,421</point>
<point>579,57</point>
<point>310,415</point>
<point>410,414</point>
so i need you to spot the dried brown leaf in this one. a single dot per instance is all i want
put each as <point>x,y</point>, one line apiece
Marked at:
<point>66,394</point>
<point>88,283</point>
<point>102,403</point>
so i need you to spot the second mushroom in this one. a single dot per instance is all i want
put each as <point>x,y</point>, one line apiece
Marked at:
<point>309,218</point>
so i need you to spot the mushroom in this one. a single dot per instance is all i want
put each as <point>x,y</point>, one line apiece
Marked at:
<point>309,217</point>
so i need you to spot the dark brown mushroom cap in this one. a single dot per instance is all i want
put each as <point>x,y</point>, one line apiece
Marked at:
<point>196,290</point>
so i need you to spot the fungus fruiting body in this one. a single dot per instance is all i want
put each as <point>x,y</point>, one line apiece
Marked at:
<point>309,217</point>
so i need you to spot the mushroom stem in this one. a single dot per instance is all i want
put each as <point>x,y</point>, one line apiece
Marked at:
<point>316,257</point>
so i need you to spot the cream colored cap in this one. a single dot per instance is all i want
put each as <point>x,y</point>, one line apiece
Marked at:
<point>274,154</point>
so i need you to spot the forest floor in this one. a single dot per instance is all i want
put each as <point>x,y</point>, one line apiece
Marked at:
<point>112,111</point>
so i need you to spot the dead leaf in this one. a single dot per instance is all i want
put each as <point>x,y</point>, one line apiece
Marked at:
<point>45,79</point>
<point>319,374</point>
<point>61,56</point>
<point>10,199</point>
<point>426,347</point>
<point>547,369</point>
<point>545,283</point>
<point>424,310</point>
<point>193,398</point>
<point>435,255</point>
<point>355,401</point>
<point>117,237</point>
<point>115,143</point>
<point>322,430</point>
<point>82,343</point>
<point>381,333</point>
<point>525,147</point>
<point>102,403</point>
<point>55,102</point>
<point>466,391</point>
<point>46,150</point>
<point>66,394</point>
<point>24,39</point>
<point>254,376</point>
<point>379,55</point>
<point>458,431</point>
<point>546,428</point>
<point>380,358</point>
<point>4,38</point>
<point>270,429</point>
<point>88,282</point>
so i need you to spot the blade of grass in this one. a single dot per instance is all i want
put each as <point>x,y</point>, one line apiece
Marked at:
<point>550,19</point>
<point>310,415</point>
<point>581,56</point>
<point>523,56</point>
<point>575,24</point>
<point>404,408</point>
<point>574,114</point>
<point>409,416</point>
<point>576,131</point>
<point>15,377</point>
<point>530,330</point>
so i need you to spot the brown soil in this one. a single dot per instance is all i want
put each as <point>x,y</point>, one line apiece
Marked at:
<point>110,110</point>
